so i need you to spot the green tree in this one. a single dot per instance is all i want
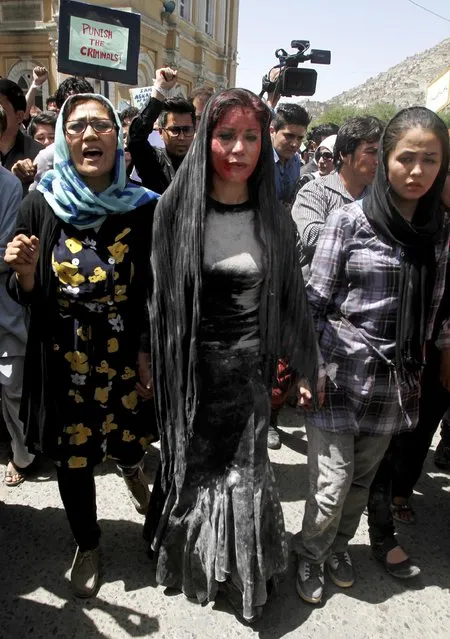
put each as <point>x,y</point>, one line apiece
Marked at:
<point>445,115</point>
<point>382,110</point>
<point>337,114</point>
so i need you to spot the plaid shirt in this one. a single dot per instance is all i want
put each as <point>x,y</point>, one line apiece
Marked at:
<point>353,293</point>
<point>314,203</point>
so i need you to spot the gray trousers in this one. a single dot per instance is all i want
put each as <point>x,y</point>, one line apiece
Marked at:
<point>11,376</point>
<point>341,468</point>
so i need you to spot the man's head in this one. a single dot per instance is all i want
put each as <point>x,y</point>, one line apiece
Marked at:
<point>318,133</point>
<point>71,86</point>
<point>356,148</point>
<point>287,129</point>
<point>50,104</point>
<point>177,126</point>
<point>199,99</point>
<point>12,99</point>
<point>42,127</point>
<point>126,117</point>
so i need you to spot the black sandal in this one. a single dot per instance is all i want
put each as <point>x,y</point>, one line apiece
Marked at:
<point>402,570</point>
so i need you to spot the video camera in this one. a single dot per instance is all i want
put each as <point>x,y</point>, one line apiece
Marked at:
<point>293,81</point>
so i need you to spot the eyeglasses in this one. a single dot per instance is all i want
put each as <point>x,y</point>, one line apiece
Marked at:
<point>325,155</point>
<point>176,131</point>
<point>77,127</point>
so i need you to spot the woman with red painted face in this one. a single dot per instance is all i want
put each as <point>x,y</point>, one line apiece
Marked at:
<point>228,302</point>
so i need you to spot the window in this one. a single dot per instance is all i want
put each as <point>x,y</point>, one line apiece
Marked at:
<point>185,9</point>
<point>21,11</point>
<point>209,17</point>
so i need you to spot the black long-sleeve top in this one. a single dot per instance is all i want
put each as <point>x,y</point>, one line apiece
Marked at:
<point>153,165</point>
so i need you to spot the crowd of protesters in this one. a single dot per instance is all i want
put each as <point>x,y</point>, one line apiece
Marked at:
<point>177,274</point>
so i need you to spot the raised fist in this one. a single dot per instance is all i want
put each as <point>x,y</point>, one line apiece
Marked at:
<point>40,75</point>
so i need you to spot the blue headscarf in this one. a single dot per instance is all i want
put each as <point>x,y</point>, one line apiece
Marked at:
<point>70,197</point>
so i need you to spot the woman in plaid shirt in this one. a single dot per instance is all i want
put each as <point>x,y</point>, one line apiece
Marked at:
<point>376,282</point>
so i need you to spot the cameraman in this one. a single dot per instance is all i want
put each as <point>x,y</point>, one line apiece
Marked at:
<point>287,131</point>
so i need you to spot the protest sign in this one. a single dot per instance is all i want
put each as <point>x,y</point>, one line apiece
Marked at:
<point>98,42</point>
<point>139,97</point>
<point>438,94</point>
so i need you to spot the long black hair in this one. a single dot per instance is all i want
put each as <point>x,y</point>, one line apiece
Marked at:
<point>177,261</point>
<point>418,238</point>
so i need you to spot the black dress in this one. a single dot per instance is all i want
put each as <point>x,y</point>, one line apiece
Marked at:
<point>224,521</point>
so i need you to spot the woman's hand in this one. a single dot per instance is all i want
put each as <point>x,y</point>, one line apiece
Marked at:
<point>25,170</point>
<point>445,369</point>
<point>22,254</point>
<point>144,387</point>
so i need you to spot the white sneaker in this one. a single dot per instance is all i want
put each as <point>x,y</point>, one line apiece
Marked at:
<point>310,581</point>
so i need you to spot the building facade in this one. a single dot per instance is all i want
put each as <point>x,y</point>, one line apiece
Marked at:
<point>199,38</point>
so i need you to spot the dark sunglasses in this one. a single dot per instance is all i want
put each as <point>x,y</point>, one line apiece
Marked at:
<point>325,155</point>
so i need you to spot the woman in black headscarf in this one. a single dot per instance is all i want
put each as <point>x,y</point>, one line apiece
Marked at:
<point>228,301</point>
<point>376,282</point>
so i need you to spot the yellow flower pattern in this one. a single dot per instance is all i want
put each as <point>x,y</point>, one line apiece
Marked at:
<point>113,345</point>
<point>76,396</point>
<point>78,362</point>
<point>79,434</point>
<point>109,425</point>
<point>101,395</point>
<point>118,251</point>
<point>103,368</point>
<point>94,348</point>
<point>120,290</point>
<point>122,235</point>
<point>98,276</point>
<point>77,462</point>
<point>130,401</point>
<point>82,333</point>
<point>74,246</point>
<point>67,273</point>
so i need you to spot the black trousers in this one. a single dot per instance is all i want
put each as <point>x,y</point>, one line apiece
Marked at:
<point>403,462</point>
<point>77,490</point>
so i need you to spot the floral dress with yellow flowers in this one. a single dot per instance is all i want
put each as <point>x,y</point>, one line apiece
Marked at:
<point>95,347</point>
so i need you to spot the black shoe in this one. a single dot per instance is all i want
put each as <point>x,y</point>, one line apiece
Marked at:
<point>273,438</point>
<point>442,456</point>
<point>403,570</point>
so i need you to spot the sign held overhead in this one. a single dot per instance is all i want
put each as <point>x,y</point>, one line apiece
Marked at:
<point>98,42</point>
<point>438,94</point>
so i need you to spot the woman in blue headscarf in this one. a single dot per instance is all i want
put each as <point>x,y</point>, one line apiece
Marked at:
<point>80,260</point>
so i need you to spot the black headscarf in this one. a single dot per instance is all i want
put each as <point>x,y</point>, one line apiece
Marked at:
<point>418,239</point>
<point>286,326</point>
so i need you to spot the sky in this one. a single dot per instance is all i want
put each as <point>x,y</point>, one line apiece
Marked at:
<point>365,37</point>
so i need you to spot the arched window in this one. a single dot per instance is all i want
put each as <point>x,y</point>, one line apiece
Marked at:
<point>22,73</point>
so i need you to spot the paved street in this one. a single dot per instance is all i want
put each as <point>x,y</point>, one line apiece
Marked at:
<point>36,550</point>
